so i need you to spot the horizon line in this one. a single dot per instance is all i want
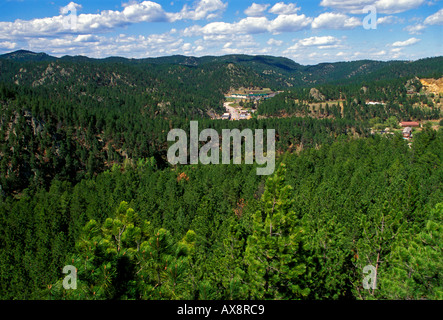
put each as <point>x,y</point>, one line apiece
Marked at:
<point>204,56</point>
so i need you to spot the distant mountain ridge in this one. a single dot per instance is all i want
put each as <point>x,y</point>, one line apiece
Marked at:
<point>25,55</point>
<point>278,71</point>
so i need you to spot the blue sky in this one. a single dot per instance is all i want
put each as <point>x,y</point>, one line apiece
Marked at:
<point>307,31</point>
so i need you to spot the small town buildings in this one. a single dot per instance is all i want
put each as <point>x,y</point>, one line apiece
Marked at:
<point>244,115</point>
<point>407,132</point>
<point>412,124</point>
<point>252,96</point>
<point>226,116</point>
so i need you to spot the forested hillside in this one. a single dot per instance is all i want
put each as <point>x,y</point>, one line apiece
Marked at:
<point>275,71</point>
<point>46,136</point>
<point>381,99</point>
<point>85,180</point>
<point>222,232</point>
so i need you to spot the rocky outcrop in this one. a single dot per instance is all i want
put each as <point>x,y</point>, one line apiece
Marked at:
<point>316,94</point>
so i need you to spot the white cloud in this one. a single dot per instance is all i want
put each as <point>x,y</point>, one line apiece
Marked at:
<point>382,6</point>
<point>274,42</point>
<point>252,25</point>
<point>322,42</point>
<point>395,53</point>
<point>315,41</point>
<point>289,23</point>
<point>387,20</point>
<point>435,19</point>
<point>8,45</point>
<point>219,36</point>
<point>397,6</point>
<point>330,20</point>
<point>379,53</point>
<point>72,7</point>
<point>86,38</point>
<point>282,8</point>
<point>247,42</point>
<point>352,6</point>
<point>256,10</point>
<point>187,46</point>
<point>248,45</point>
<point>67,43</point>
<point>415,29</point>
<point>405,43</point>
<point>204,9</point>
<point>106,20</point>
<point>102,46</point>
<point>216,37</point>
<point>138,12</point>
<point>372,53</point>
<point>199,48</point>
<point>85,23</point>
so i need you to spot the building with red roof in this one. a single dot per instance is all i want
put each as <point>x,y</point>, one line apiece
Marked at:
<point>409,124</point>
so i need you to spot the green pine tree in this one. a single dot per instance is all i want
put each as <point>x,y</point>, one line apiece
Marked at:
<point>273,250</point>
<point>414,271</point>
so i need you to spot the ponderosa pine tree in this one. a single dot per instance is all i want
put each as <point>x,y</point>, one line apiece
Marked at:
<point>124,258</point>
<point>231,265</point>
<point>414,265</point>
<point>163,267</point>
<point>273,249</point>
<point>379,230</point>
<point>328,254</point>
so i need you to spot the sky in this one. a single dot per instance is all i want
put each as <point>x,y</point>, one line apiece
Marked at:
<point>306,31</point>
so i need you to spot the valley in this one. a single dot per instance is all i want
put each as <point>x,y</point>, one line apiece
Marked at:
<point>86,181</point>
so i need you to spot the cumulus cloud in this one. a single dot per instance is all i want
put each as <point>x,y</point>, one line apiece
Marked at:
<point>315,49</point>
<point>103,46</point>
<point>373,53</point>
<point>248,45</point>
<point>322,42</point>
<point>397,6</point>
<point>395,53</point>
<point>252,25</point>
<point>86,38</point>
<point>289,23</point>
<point>186,46</point>
<point>204,9</point>
<point>382,6</point>
<point>330,20</point>
<point>351,6</point>
<point>106,20</point>
<point>282,8</point>
<point>247,42</point>
<point>274,42</point>
<point>415,29</point>
<point>199,48</point>
<point>71,7</point>
<point>89,35</point>
<point>388,20</point>
<point>137,12</point>
<point>435,19</point>
<point>256,10</point>
<point>405,43</point>
<point>7,45</point>
<point>315,41</point>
